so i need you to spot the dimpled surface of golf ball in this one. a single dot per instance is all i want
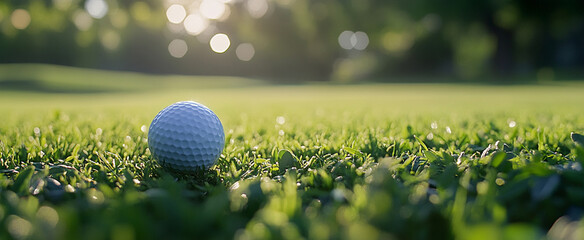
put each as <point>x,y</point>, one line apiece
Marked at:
<point>186,136</point>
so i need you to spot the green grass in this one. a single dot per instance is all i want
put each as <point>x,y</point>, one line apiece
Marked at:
<point>404,161</point>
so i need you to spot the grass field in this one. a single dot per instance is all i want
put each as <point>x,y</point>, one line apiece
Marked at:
<point>315,161</point>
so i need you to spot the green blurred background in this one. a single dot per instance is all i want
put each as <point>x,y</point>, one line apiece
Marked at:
<point>298,40</point>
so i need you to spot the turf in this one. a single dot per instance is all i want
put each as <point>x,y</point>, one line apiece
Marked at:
<point>317,161</point>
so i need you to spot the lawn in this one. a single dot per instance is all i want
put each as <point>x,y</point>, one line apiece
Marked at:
<point>312,160</point>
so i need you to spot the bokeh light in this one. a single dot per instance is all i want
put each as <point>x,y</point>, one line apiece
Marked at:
<point>96,8</point>
<point>119,18</point>
<point>345,40</point>
<point>245,51</point>
<point>176,13</point>
<point>361,40</point>
<point>110,39</point>
<point>178,48</point>
<point>195,24</point>
<point>212,9</point>
<point>18,227</point>
<point>219,43</point>
<point>257,8</point>
<point>283,29</point>
<point>82,20</point>
<point>20,19</point>
<point>225,15</point>
<point>48,215</point>
<point>353,40</point>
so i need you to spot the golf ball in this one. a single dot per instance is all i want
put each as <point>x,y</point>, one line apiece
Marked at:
<point>186,136</point>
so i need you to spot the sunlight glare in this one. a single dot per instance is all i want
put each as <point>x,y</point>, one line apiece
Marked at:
<point>219,43</point>
<point>176,13</point>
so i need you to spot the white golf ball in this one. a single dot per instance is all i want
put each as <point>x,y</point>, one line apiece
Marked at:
<point>186,136</point>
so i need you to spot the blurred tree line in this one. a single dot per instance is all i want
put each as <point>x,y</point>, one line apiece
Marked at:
<point>342,40</point>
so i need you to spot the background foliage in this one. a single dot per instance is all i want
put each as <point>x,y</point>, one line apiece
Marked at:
<point>300,39</point>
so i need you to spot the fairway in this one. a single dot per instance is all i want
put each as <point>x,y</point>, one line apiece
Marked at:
<point>310,160</point>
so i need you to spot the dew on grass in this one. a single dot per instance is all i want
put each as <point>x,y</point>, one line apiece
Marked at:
<point>37,131</point>
<point>69,188</point>
<point>430,136</point>
<point>280,120</point>
<point>94,196</point>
